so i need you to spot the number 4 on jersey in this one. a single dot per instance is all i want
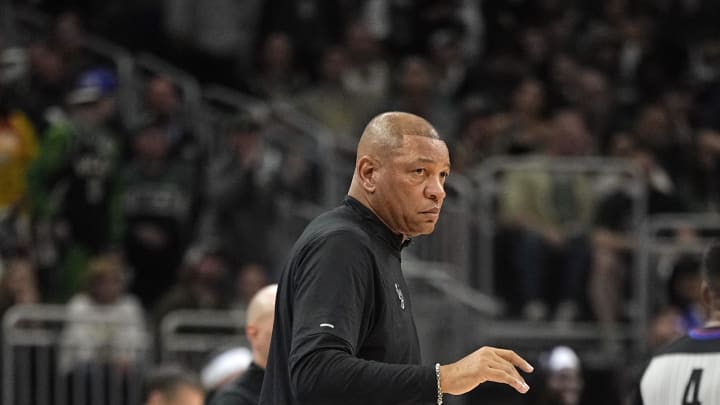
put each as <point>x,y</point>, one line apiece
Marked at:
<point>692,389</point>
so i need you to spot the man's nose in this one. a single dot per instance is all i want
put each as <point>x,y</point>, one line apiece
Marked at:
<point>436,190</point>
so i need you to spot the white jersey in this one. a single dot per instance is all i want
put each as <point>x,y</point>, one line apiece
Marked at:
<point>687,372</point>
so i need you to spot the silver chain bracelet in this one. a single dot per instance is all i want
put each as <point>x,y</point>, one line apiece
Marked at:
<point>439,389</point>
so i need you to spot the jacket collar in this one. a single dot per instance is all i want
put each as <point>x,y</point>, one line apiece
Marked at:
<point>378,228</point>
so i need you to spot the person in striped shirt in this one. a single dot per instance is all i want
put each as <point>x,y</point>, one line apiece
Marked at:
<point>687,371</point>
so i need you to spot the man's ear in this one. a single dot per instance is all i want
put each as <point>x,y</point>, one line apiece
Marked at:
<point>366,172</point>
<point>251,332</point>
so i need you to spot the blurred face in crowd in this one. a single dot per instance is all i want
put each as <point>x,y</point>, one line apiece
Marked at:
<point>245,141</point>
<point>594,95</point>
<point>161,96</point>
<point>566,385</point>
<point>68,32</point>
<point>108,287</point>
<point>277,53</point>
<point>480,129</point>
<point>705,148</point>
<point>445,49</point>
<point>402,169</point>
<point>88,116</point>
<point>334,64</point>
<point>416,78</point>
<point>151,144</point>
<point>18,281</point>
<point>535,45</point>
<point>571,136</point>
<point>529,97</point>
<point>47,64</point>
<point>652,126</point>
<point>250,279</point>
<point>210,269</point>
<point>664,328</point>
<point>622,145</point>
<point>360,42</point>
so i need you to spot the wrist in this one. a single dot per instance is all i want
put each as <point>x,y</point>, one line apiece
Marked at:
<point>438,374</point>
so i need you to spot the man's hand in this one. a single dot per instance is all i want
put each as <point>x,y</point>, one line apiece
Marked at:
<point>484,364</point>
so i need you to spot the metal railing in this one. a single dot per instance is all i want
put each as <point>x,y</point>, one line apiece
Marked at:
<point>489,178</point>
<point>451,242</point>
<point>189,337</point>
<point>586,336</point>
<point>7,19</point>
<point>33,345</point>
<point>661,245</point>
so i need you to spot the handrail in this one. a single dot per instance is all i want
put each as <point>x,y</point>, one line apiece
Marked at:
<point>489,188</point>
<point>655,242</point>
<point>231,97</point>
<point>31,326</point>
<point>326,146</point>
<point>7,18</point>
<point>698,221</point>
<point>172,339</point>
<point>433,275</point>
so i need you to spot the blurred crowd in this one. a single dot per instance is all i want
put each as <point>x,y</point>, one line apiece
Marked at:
<point>137,214</point>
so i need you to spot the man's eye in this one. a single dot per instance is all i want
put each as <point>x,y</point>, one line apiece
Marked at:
<point>419,171</point>
<point>444,174</point>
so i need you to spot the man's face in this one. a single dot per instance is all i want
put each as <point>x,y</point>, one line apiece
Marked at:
<point>566,385</point>
<point>410,185</point>
<point>263,334</point>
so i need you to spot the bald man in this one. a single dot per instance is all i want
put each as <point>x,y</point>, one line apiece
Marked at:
<point>245,390</point>
<point>687,370</point>
<point>344,331</point>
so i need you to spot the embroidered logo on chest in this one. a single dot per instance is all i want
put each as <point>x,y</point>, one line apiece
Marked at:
<point>400,296</point>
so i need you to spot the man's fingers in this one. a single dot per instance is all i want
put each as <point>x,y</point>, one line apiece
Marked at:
<point>515,359</point>
<point>501,376</point>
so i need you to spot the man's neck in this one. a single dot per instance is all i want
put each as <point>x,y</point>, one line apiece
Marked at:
<point>362,199</point>
<point>713,320</point>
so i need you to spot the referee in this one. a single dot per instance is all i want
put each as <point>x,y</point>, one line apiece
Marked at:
<point>344,331</point>
<point>687,372</point>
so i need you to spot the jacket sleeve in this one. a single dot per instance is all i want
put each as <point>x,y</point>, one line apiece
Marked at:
<point>333,312</point>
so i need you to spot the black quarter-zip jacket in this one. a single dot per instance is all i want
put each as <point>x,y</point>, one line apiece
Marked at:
<point>344,331</point>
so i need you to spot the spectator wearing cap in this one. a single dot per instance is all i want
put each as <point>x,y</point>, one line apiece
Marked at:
<point>73,182</point>
<point>240,193</point>
<point>158,204</point>
<point>563,377</point>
